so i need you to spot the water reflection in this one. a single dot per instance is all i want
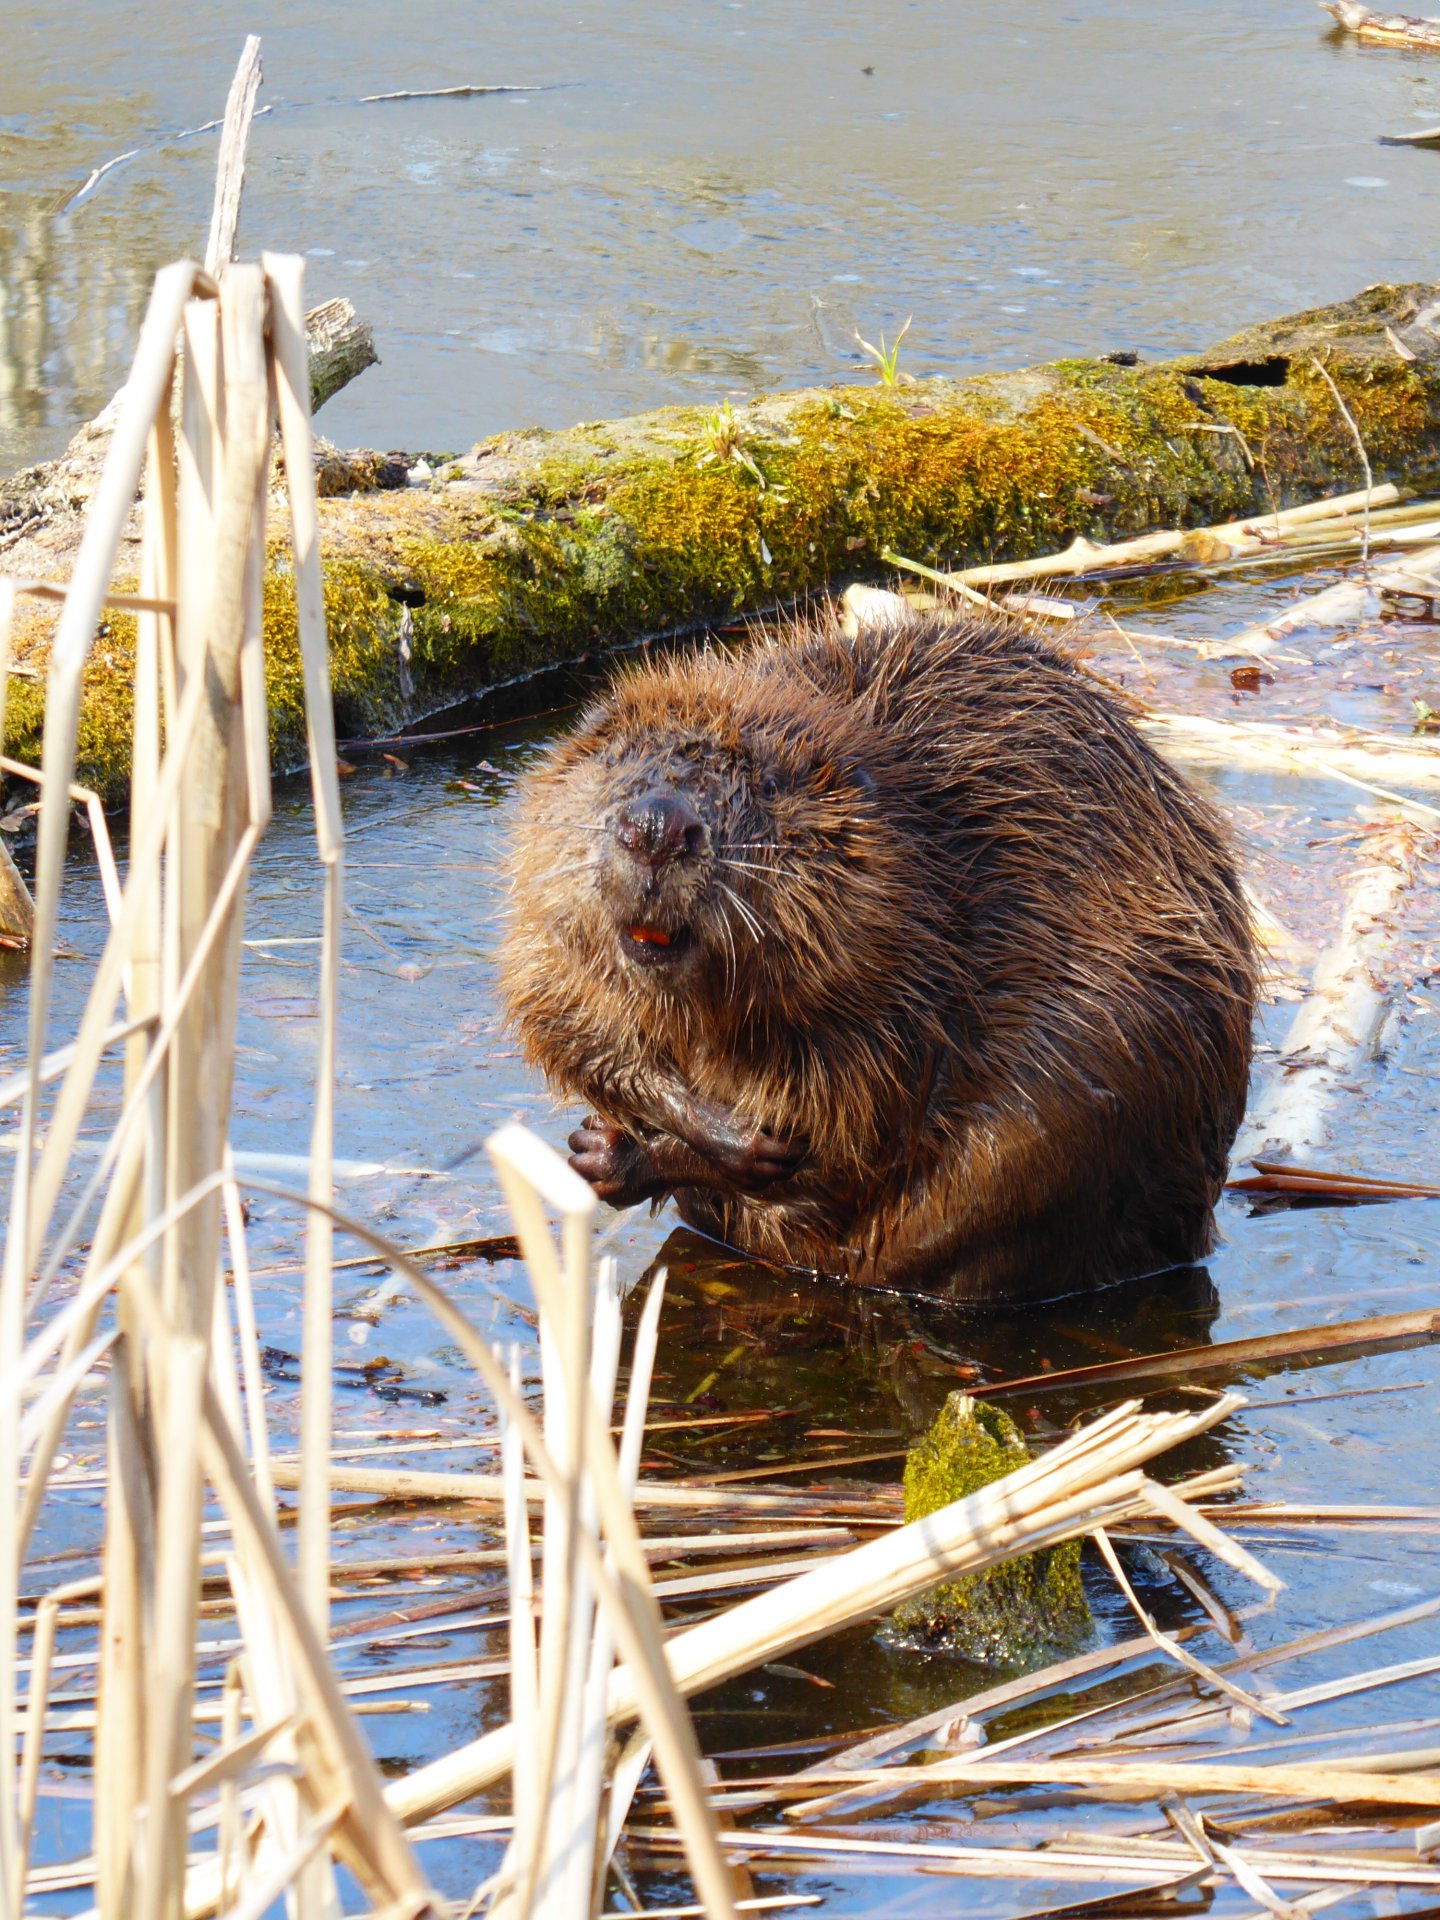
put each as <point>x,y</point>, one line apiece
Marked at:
<point>66,315</point>
<point>742,1336</point>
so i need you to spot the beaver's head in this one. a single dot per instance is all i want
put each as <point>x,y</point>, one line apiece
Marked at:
<point>712,833</point>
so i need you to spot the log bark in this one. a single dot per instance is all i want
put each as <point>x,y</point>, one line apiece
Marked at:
<point>536,548</point>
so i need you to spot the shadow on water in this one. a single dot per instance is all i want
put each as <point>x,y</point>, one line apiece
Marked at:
<point>742,1335</point>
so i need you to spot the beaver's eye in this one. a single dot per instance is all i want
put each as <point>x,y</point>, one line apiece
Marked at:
<point>769,787</point>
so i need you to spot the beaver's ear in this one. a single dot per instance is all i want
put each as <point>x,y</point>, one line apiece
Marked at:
<point>859,775</point>
<point>595,722</point>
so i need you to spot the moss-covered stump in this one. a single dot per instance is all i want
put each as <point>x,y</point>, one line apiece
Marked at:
<point>536,548</point>
<point>1016,1614</point>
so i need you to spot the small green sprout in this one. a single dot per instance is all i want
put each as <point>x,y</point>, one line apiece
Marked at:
<point>724,442</point>
<point>886,357</point>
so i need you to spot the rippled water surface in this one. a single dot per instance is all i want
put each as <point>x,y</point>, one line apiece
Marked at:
<point>706,198</point>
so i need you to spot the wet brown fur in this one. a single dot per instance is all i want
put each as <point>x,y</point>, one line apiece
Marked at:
<point>980,948</point>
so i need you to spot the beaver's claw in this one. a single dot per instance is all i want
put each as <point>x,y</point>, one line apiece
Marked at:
<point>717,1152</point>
<point>617,1166</point>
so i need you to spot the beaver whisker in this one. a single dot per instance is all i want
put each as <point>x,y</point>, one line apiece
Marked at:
<point>748,866</point>
<point>745,914</point>
<point>732,959</point>
<point>560,873</point>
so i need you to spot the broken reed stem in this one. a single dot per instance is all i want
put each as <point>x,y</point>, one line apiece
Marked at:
<point>1168,1646</point>
<point>1253,535</point>
<point>230,167</point>
<point>292,391</point>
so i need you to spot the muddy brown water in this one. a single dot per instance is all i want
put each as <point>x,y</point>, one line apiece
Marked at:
<point>709,201</point>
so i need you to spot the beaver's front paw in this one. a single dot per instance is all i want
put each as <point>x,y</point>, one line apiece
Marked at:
<point>738,1153</point>
<point>758,1162</point>
<point>617,1166</point>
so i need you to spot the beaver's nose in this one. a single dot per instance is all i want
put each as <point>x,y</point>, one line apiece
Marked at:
<point>659,827</point>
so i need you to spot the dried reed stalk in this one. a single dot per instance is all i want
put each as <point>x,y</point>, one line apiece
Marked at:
<point>1091,1480</point>
<point>200,803</point>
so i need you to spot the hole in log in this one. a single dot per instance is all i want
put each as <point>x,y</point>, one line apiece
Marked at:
<point>1272,372</point>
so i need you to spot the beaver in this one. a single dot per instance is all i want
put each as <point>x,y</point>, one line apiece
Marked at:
<point>899,957</point>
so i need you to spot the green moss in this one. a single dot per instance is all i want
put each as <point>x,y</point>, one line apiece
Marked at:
<point>1015,1614</point>
<point>107,708</point>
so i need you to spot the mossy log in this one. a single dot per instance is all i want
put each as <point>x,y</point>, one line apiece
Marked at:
<point>539,547</point>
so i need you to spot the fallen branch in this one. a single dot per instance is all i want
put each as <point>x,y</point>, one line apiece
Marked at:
<point>1384,29</point>
<point>1200,546</point>
<point>1336,1026</point>
<point>340,348</point>
<point>441,93</point>
<point>534,548</point>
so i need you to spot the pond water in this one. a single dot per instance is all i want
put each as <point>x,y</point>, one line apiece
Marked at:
<point>425,1073</point>
<point>701,201</point>
<point>704,199</point>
